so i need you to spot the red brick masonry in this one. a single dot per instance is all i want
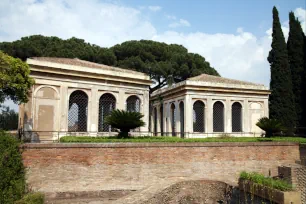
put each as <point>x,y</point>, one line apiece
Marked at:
<point>117,166</point>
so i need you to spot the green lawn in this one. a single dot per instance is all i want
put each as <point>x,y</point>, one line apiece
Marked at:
<point>85,139</point>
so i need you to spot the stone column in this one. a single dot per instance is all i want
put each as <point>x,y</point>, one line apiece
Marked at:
<point>93,117</point>
<point>228,116</point>
<point>64,103</point>
<point>209,116</point>
<point>121,100</point>
<point>177,121</point>
<point>188,114</point>
<point>246,116</point>
<point>266,107</point>
<point>145,111</point>
<point>158,119</point>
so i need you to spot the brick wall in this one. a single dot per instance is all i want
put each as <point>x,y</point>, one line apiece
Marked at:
<point>303,154</point>
<point>92,167</point>
<point>296,175</point>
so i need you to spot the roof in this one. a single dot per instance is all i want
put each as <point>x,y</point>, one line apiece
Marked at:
<point>69,66</point>
<point>205,80</point>
<point>221,80</point>
<point>83,63</point>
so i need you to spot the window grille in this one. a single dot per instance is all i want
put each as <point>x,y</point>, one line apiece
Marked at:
<point>161,120</point>
<point>155,121</point>
<point>133,105</point>
<point>77,112</point>
<point>173,119</point>
<point>218,117</point>
<point>107,104</point>
<point>198,117</point>
<point>182,119</point>
<point>236,117</point>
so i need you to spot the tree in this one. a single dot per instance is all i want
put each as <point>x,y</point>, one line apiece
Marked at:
<point>295,46</point>
<point>165,64</point>
<point>8,119</point>
<point>270,126</point>
<point>15,81</point>
<point>124,121</point>
<point>281,99</point>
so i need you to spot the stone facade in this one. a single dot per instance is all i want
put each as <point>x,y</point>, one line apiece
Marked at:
<point>134,166</point>
<point>58,79</point>
<point>207,105</point>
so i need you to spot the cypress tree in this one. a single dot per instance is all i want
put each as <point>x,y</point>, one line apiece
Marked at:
<point>281,99</point>
<point>295,46</point>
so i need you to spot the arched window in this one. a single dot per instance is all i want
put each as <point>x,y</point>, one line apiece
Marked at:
<point>198,117</point>
<point>218,117</point>
<point>236,117</point>
<point>133,104</point>
<point>161,120</point>
<point>182,119</point>
<point>173,119</point>
<point>107,104</point>
<point>155,121</point>
<point>77,112</point>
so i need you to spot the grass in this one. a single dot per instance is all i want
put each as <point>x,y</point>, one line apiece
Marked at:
<point>87,139</point>
<point>266,181</point>
<point>32,198</point>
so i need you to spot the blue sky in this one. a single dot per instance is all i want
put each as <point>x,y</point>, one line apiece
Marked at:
<point>234,36</point>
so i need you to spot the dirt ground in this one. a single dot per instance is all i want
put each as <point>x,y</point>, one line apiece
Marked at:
<point>193,192</point>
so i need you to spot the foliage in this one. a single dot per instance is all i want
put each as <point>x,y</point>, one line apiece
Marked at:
<point>281,99</point>
<point>32,198</point>
<point>295,46</point>
<point>87,139</point>
<point>124,121</point>
<point>270,126</point>
<point>8,118</point>
<point>164,63</point>
<point>12,174</point>
<point>266,181</point>
<point>15,81</point>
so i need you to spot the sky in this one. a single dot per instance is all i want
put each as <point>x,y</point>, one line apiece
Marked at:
<point>234,36</point>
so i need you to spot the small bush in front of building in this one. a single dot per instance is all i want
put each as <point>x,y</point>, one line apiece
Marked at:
<point>125,121</point>
<point>12,171</point>
<point>270,126</point>
<point>32,198</point>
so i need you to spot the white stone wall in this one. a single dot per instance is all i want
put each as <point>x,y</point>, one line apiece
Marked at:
<point>63,88</point>
<point>253,107</point>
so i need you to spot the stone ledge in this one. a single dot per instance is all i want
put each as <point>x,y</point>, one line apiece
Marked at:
<point>153,145</point>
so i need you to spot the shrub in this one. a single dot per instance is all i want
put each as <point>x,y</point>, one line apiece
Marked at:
<point>12,173</point>
<point>124,121</point>
<point>32,198</point>
<point>266,181</point>
<point>270,126</point>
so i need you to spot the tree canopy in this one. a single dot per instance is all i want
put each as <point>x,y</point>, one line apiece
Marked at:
<point>15,81</point>
<point>281,99</point>
<point>164,63</point>
<point>295,46</point>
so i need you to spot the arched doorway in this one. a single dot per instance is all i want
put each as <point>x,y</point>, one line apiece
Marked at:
<point>218,117</point>
<point>182,119</point>
<point>173,119</point>
<point>78,111</point>
<point>236,117</point>
<point>198,117</point>
<point>107,104</point>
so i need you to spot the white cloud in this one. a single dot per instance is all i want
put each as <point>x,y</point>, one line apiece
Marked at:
<point>181,22</point>
<point>100,23</point>
<point>155,8</point>
<point>171,17</point>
